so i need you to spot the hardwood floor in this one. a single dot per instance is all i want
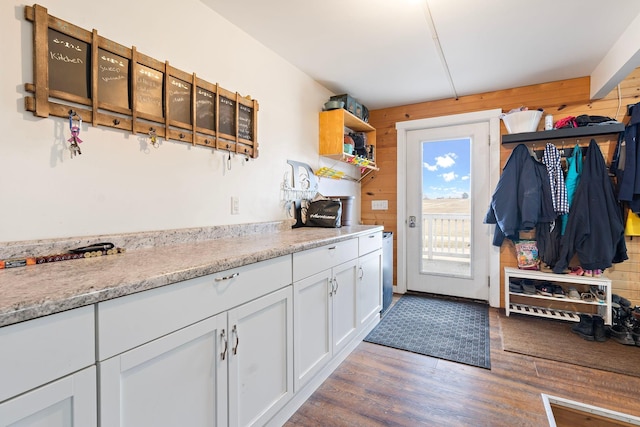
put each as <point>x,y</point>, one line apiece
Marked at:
<point>380,386</point>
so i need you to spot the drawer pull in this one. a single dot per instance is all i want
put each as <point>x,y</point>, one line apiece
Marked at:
<point>332,248</point>
<point>372,236</point>
<point>220,279</point>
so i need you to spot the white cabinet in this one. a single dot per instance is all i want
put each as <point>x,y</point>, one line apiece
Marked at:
<point>66,402</point>
<point>179,379</point>
<point>47,372</point>
<point>325,315</point>
<point>325,318</point>
<point>555,307</point>
<point>369,287</point>
<point>232,367</point>
<point>260,358</point>
<point>369,278</point>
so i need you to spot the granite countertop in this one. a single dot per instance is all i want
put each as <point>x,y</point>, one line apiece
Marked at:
<point>38,290</point>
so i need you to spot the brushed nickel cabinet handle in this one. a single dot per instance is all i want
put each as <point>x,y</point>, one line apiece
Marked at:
<point>220,279</point>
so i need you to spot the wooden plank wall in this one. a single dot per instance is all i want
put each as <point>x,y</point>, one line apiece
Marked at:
<point>561,98</point>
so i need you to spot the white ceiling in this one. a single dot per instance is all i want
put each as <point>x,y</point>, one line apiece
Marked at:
<point>384,53</point>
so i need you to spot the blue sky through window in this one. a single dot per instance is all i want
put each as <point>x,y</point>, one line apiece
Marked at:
<point>445,168</point>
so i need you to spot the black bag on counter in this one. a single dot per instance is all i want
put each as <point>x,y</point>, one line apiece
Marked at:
<point>324,213</point>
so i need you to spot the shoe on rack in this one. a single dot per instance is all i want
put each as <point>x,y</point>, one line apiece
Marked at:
<point>597,292</point>
<point>558,291</point>
<point>597,273</point>
<point>576,271</point>
<point>528,287</point>
<point>545,289</point>
<point>584,328</point>
<point>573,293</point>
<point>599,332</point>
<point>620,334</point>
<point>515,286</point>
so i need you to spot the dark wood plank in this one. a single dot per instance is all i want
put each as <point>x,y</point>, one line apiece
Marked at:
<point>381,386</point>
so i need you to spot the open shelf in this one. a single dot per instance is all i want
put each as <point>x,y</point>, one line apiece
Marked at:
<point>566,133</point>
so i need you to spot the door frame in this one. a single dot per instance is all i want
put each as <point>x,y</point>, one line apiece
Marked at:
<point>492,118</point>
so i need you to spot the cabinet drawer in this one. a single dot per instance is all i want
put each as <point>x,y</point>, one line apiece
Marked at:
<point>370,242</point>
<point>312,261</point>
<point>42,350</point>
<point>127,322</point>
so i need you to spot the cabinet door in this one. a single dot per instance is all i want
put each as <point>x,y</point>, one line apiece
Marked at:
<point>369,287</point>
<point>345,323</point>
<point>312,332</point>
<point>67,402</point>
<point>261,358</point>
<point>179,379</point>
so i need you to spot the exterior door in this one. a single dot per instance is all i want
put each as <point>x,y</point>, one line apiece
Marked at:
<point>447,195</point>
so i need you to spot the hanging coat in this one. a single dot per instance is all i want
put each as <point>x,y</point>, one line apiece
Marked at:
<point>628,172</point>
<point>595,230</point>
<point>574,170</point>
<point>516,201</point>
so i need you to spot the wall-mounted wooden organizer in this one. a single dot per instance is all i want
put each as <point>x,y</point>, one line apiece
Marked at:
<point>108,84</point>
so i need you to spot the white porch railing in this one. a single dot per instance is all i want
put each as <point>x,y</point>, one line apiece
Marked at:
<point>446,236</point>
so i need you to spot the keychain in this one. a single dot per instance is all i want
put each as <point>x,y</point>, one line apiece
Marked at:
<point>75,131</point>
<point>154,137</point>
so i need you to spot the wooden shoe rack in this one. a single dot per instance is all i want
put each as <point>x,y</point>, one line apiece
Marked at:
<point>556,307</point>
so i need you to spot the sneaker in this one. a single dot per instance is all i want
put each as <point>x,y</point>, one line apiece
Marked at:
<point>573,293</point>
<point>558,291</point>
<point>597,292</point>
<point>528,287</point>
<point>545,290</point>
<point>515,286</point>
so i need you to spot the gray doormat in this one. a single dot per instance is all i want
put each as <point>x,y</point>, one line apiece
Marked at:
<point>447,329</point>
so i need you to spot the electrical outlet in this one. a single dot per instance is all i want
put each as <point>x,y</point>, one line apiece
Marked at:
<point>379,205</point>
<point>235,205</point>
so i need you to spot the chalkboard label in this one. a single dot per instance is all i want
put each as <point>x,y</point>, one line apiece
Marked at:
<point>113,79</point>
<point>69,64</point>
<point>205,109</point>
<point>245,122</point>
<point>179,94</point>
<point>149,90</point>
<point>227,119</point>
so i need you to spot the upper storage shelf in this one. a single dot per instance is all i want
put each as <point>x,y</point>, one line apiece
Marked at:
<point>332,131</point>
<point>566,133</point>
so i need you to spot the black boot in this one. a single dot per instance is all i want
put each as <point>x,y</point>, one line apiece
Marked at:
<point>584,328</point>
<point>599,332</point>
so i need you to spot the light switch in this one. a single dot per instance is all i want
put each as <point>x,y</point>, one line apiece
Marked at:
<point>379,205</point>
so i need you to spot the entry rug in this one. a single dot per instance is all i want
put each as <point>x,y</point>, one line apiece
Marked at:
<point>447,329</point>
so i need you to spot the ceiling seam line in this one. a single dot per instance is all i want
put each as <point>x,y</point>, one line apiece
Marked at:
<point>436,39</point>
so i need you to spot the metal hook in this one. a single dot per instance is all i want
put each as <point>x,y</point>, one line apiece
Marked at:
<point>116,122</point>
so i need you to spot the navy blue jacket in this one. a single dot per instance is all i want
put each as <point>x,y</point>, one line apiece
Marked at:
<point>595,229</point>
<point>517,202</point>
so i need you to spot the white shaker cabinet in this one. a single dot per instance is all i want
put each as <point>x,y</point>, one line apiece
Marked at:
<point>260,358</point>
<point>178,379</point>
<point>230,369</point>
<point>325,305</point>
<point>47,371</point>
<point>369,278</point>
<point>232,366</point>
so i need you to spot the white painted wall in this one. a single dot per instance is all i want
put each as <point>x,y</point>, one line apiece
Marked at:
<point>122,184</point>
